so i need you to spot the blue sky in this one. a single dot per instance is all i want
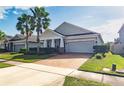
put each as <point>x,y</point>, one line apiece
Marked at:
<point>105,20</point>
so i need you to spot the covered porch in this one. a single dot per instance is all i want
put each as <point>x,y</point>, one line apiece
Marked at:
<point>51,39</point>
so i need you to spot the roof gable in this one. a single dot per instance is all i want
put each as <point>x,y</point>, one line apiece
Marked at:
<point>68,29</point>
<point>18,37</point>
<point>50,33</point>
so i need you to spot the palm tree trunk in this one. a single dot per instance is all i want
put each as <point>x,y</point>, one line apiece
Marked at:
<point>26,44</point>
<point>26,38</point>
<point>38,41</point>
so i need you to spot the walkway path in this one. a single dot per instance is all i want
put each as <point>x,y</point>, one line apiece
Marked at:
<point>13,62</point>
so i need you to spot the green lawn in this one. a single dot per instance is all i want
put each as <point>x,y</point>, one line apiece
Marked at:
<point>71,81</point>
<point>23,58</point>
<point>3,65</point>
<point>97,65</point>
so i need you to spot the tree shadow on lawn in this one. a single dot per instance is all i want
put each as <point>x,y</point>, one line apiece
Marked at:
<point>30,57</point>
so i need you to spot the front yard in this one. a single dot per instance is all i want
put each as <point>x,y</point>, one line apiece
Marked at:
<point>3,65</point>
<point>23,58</point>
<point>71,81</point>
<point>97,65</point>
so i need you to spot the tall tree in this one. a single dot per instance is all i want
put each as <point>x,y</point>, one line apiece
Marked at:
<point>25,24</point>
<point>2,35</point>
<point>2,38</point>
<point>42,21</point>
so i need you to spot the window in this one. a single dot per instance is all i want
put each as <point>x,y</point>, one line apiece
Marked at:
<point>49,43</point>
<point>42,43</point>
<point>57,43</point>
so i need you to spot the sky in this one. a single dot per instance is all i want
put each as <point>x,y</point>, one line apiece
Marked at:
<point>106,20</point>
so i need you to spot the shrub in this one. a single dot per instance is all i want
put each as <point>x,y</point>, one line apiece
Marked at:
<point>42,50</point>
<point>98,56</point>
<point>23,50</point>
<point>2,50</point>
<point>103,54</point>
<point>101,48</point>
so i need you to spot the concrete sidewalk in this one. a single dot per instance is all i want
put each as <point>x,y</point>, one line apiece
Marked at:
<point>113,80</point>
<point>35,74</point>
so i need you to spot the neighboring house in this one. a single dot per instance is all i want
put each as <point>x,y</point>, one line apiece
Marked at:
<point>118,45</point>
<point>18,42</point>
<point>2,42</point>
<point>71,38</point>
<point>65,38</point>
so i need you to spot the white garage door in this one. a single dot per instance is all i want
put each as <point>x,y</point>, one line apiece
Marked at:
<point>80,47</point>
<point>18,47</point>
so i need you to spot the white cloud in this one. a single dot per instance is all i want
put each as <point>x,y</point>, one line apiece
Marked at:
<point>3,11</point>
<point>23,7</point>
<point>109,30</point>
<point>15,12</point>
<point>89,16</point>
<point>1,16</point>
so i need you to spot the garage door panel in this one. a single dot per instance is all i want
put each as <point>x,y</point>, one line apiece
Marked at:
<point>18,47</point>
<point>80,47</point>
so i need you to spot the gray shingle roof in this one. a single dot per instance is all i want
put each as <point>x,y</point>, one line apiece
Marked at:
<point>68,29</point>
<point>20,37</point>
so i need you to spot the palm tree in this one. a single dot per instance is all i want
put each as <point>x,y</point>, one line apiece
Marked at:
<point>2,38</point>
<point>25,24</point>
<point>2,35</point>
<point>42,21</point>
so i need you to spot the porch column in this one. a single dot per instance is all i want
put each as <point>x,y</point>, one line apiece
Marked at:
<point>61,42</point>
<point>53,43</point>
<point>45,43</point>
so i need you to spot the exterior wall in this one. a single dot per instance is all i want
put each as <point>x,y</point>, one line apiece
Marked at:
<point>121,37</point>
<point>99,41</point>
<point>2,44</point>
<point>31,45</point>
<point>117,48</point>
<point>82,43</point>
<point>21,44</point>
<point>51,35</point>
<point>93,37</point>
<point>48,34</point>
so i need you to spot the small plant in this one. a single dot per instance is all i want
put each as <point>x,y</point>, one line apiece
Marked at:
<point>103,55</point>
<point>98,56</point>
<point>23,50</point>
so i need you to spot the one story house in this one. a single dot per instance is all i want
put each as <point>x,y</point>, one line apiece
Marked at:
<point>18,41</point>
<point>66,38</point>
<point>71,38</point>
<point>3,42</point>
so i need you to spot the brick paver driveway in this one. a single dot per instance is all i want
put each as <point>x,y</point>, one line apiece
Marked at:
<point>65,60</point>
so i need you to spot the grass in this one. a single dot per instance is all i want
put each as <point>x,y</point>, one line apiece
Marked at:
<point>3,65</point>
<point>23,58</point>
<point>71,81</point>
<point>97,65</point>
